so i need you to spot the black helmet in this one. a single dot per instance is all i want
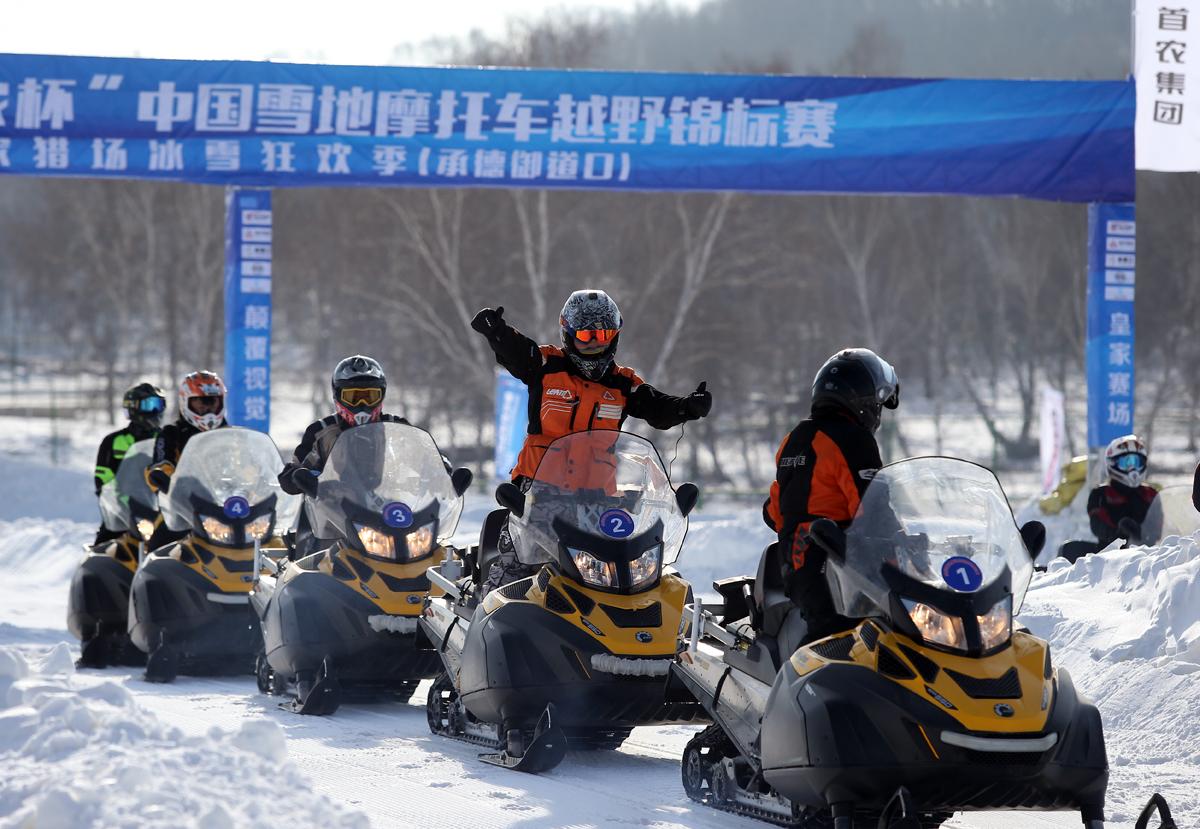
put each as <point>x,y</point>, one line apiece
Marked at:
<point>359,385</point>
<point>857,381</point>
<point>591,324</point>
<point>145,403</point>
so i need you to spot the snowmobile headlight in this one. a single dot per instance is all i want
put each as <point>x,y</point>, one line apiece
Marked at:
<point>644,568</point>
<point>376,543</point>
<point>594,571</point>
<point>419,541</point>
<point>218,531</point>
<point>144,528</point>
<point>935,626</point>
<point>258,528</point>
<point>995,626</point>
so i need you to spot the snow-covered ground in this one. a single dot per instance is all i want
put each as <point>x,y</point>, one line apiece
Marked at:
<point>104,748</point>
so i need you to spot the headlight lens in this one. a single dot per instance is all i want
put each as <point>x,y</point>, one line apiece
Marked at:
<point>644,568</point>
<point>594,571</point>
<point>995,627</point>
<point>376,543</point>
<point>420,542</point>
<point>257,529</point>
<point>935,626</point>
<point>218,531</point>
<point>145,528</point>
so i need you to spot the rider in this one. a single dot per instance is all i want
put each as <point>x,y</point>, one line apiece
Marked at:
<point>144,404</point>
<point>201,409</point>
<point>822,469</point>
<point>575,387</point>
<point>1118,508</point>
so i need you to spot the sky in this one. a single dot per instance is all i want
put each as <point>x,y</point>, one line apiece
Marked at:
<point>363,32</point>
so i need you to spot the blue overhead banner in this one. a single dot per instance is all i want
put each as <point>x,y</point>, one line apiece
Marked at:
<point>287,125</point>
<point>1112,269</point>
<point>248,307</point>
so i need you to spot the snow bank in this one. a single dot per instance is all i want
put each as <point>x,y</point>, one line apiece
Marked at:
<point>77,756</point>
<point>1126,624</point>
<point>34,489</point>
<point>723,540</point>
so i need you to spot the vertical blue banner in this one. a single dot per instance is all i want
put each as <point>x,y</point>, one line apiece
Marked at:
<point>512,419</point>
<point>1112,259</point>
<point>248,307</point>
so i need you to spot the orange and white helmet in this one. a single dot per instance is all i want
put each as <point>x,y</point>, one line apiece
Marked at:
<point>202,400</point>
<point>1126,460</point>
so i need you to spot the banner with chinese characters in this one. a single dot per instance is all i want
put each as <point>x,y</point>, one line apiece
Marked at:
<point>512,419</point>
<point>280,125</point>
<point>1112,260</point>
<point>1168,91</point>
<point>1052,436</point>
<point>248,307</point>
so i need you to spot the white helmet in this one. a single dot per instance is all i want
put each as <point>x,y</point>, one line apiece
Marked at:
<point>1126,459</point>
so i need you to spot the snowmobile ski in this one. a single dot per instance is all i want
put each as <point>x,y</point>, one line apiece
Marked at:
<point>162,665</point>
<point>1157,804</point>
<point>319,696</point>
<point>545,750</point>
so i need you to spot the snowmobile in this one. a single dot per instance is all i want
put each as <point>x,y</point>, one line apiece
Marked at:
<point>578,653</point>
<point>929,704</point>
<point>190,600</point>
<point>344,620</point>
<point>98,606</point>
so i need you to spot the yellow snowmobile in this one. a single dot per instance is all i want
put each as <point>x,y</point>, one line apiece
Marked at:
<point>190,604</point>
<point>343,621</point>
<point>933,703</point>
<point>579,652</point>
<point>98,606</point>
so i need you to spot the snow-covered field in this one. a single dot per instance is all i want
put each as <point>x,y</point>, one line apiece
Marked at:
<point>104,748</point>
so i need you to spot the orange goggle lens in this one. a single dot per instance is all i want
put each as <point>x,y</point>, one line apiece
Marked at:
<point>361,397</point>
<point>598,335</point>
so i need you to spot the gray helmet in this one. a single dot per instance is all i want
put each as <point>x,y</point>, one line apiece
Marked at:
<point>359,385</point>
<point>591,325</point>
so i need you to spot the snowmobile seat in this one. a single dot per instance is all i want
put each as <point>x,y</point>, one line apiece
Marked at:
<point>489,542</point>
<point>770,594</point>
<point>760,660</point>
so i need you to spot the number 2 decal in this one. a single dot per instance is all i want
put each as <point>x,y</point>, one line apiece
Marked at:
<point>616,523</point>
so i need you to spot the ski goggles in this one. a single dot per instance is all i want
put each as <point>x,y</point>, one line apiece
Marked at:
<point>206,404</point>
<point>360,397</point>
<point>596,336</point>
<point>1130,462</point>
<point>151,405</point>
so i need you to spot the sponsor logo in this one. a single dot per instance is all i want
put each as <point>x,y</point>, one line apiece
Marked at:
<point>565,394</point>
<point>414,599</point>
<point>945,702</point>
<point>1003,709</point>
<point>868,474</point>
<point>644,636</point>
<point>795,460</point>
<point>609,396</point>
<point>368,590</point>
<point>591,627</point>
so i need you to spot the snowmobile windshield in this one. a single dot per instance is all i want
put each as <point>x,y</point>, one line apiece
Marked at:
<point>386,490</point>
<point>127,498</point>
<point>938,535</point>
<point>1171,513</point>
<point>602,506</point>
<point>226,488</point>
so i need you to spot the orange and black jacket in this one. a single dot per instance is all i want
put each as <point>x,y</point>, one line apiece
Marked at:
<point>1108,504</point>
<point>561,401</point>
<point>822,469</point>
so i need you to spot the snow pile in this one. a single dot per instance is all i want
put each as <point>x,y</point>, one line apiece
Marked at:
<point>1126,624</point>
<point>76,755</point>
<point>723,540</point>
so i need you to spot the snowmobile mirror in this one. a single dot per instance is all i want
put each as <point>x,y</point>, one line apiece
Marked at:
<point>306,481</point>
<point>160,479</point>
<point>511,498</point>
<point>461,479</point>
<point>829,537</point>
<point>686,496</point>
<point>1033,533</point>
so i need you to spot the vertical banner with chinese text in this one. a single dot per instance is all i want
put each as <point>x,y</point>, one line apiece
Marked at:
<point>1053,433</point>
<point>248,307</point>
<point>1112,258</point>
<point>1168,93</point>
<point>512,418</point>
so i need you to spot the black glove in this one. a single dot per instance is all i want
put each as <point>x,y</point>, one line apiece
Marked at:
<point>489,321</point>
<point>697,404</point>
<point>160,479</point>
<point>1130,530</point>
<point>305,481</point>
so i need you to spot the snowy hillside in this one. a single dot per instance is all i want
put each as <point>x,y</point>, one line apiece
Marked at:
<point>104,748</point>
